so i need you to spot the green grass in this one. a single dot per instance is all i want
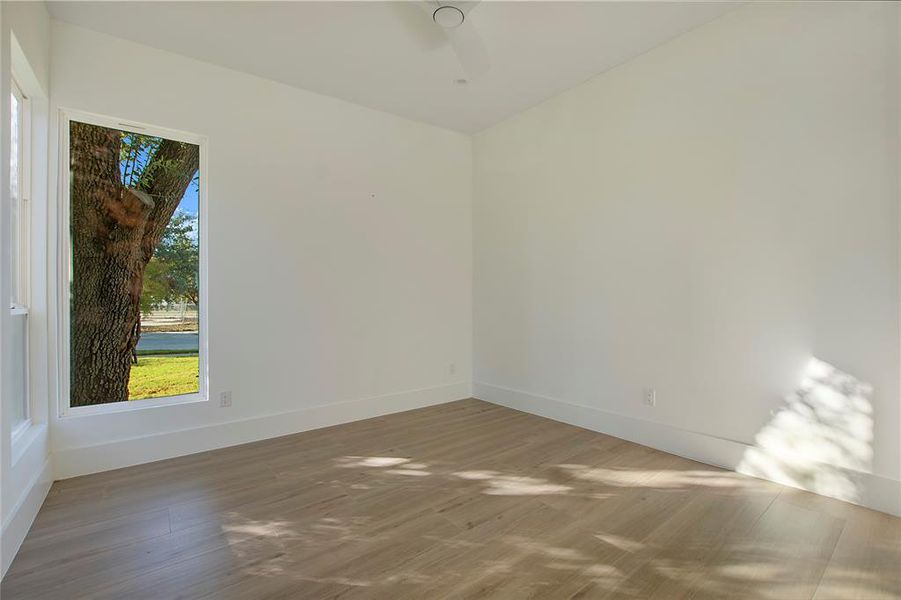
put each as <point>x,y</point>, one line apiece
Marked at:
<point>156,376</point>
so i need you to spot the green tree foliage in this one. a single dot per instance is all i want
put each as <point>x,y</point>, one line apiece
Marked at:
<point>135,153</point>
<point>171,275</point>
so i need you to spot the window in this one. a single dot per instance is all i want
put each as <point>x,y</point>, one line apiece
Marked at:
<point>135,321</point>
<point>19,155</point>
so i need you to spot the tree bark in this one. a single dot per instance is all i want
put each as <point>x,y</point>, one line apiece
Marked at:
<point>115,231</point>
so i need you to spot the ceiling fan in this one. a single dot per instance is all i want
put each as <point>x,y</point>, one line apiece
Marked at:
<point>452,17</point>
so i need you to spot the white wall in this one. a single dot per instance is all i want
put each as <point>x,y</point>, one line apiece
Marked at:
<point>25,469</point>
<point>340,245</point>
<point>700,220</point>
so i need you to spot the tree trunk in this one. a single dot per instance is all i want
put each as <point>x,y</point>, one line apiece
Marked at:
<point>114,233</point>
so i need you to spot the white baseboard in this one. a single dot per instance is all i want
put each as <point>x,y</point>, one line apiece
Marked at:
<point>876,492</point>
<point>23,514</point>
<point>72,462</point>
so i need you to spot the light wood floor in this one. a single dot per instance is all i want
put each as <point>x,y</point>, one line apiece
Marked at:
<point>463,500</point>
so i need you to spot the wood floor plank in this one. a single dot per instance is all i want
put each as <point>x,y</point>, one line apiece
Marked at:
<point>865,564</point>
<point>462,500</point>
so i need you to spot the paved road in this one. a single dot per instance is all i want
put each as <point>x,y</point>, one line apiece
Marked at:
<point>169,341</point>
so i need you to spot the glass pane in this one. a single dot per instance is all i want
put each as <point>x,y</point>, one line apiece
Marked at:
<point>14,134</point>
<point>135,266</point>
<point>18,369</point>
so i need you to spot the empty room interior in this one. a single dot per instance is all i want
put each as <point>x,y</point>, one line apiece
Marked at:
<point>450,299</point>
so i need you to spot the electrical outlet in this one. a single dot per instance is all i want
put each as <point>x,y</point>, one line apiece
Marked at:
<point>650,396</point>
<point>225,399</point>
<point>452,369</point>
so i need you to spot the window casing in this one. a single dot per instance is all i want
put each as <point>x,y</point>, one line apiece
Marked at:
<point>68,407</point>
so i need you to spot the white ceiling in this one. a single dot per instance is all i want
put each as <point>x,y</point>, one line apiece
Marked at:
<point>390,56</point>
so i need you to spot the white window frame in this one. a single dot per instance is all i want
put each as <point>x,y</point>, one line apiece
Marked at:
<point>21,254</point>
<point>65,268</point>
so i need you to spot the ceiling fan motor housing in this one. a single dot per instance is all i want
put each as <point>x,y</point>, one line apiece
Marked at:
<point>448,16</point>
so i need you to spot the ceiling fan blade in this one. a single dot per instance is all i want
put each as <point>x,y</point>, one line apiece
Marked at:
<point>470,49</point>
<point>464,5</point>
<point>417,20</point>
<point>431,5</point>
<point>464,39</point>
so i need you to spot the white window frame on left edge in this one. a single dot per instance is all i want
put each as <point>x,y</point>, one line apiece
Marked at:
<point>19,300</point>
<point>66,116</point>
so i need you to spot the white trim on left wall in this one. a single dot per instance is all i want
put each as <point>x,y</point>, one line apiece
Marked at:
<point>23,514</point>
<point>27,472</point>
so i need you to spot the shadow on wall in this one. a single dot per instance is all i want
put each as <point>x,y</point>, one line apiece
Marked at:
<point>821,440</point>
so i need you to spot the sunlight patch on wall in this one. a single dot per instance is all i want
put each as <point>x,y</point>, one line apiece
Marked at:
<point>821,440</point>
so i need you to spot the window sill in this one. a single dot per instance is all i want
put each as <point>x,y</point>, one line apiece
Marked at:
<point>131,405</point>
